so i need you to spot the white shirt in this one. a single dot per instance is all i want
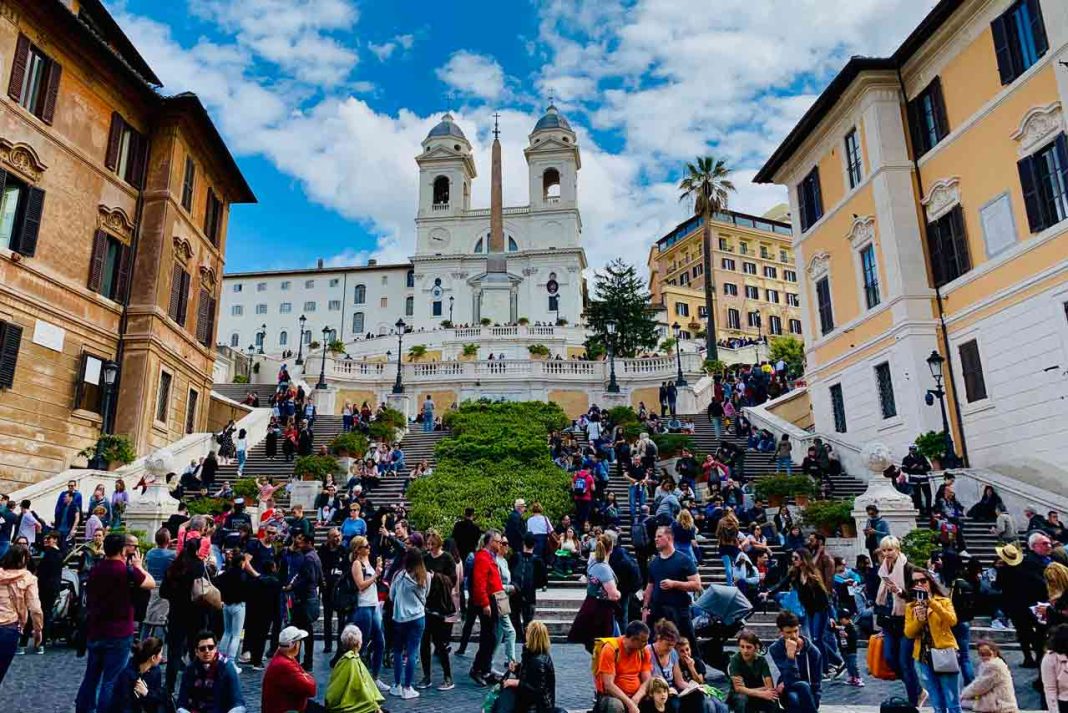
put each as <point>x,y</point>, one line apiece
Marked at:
<point>539,525</point>
<point>28,528</point>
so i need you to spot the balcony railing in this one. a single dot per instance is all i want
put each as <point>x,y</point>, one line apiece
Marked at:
<point>440,207</point>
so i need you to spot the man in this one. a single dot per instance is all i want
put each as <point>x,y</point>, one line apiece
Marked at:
<point>30,523</point>
<point>516,527</point>
<point>157,561</point>
<point>715,414</point>
<point>800,666</point>
<point>824,563</point>
<point>1031,589</point>
<point>1054,528</point>
<point>68,514</point>
<point>309,413</point>
<point>286,686</point>
<point>637,482</point>
<point>49,579</point>
<point>466,533</point>
<point>8,522</point>
<point>485,584</point>
<point>673,577</point>
<point>210,684</point>
<point>642,540</point>
<point>298,524</point>
<point>335,563</point>
<point>303,582</point>
<point>110,620</point>
<point>672,397</point>
<point>178,519</point>
<point>582,493</point>
<point>428,414</point>
<point>918,470</point>
<point>624,667</point>
<point>662,396</point>
<point>875,529</point>
<point>628,577</point>
<point>1035,522</point>
<point>687,468</point>
<point>528,573</point>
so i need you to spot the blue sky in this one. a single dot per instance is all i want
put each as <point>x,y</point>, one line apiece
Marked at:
<point>324,102</point>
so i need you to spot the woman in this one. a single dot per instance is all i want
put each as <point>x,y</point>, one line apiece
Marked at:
<point>95,522</point>
<point>568,551</point>
<point>1054,670</point>
<point>120,500</point>
<point>807,581</point>
<point>539,526</point>
<point>752,688</point>
<point>727,540</point>
<point>986,510</point>
<point>19,603</point>
<point>685,532</point>
<point>665,664</point>
<point>267,489</point>
<point>233,584</point>
<point>185,618</point>
<point>139,687</point>
<point>368,613</point>
<point>929,620</point>
<point>992,690</point>
<point>351,688</point>
<point>99,498</point>
<point>346,417</point>
<point>440,608</point>
<point>890,601</point>
<point>289,441</point>
<point>596,617</point>
<point>533,690</point>
<point>353,526</point>
<point>270,441</point>
<point>1056,612</point>
<point>408,592</point>
<point>208,469</point>
<point>226,443</point>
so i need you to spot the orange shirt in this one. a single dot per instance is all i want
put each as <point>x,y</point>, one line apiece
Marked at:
<point>626,666</point>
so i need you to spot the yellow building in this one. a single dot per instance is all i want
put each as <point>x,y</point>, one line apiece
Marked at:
<point>753,273</point>
<point>929,195</point>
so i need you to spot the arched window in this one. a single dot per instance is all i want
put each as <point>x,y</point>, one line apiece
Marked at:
<point>283,338</point>
<point>435,308</point>
<point>235,340</point>
<point>441,190</point>
<point>409,306</point>
<point>359,294</point>
<point>550,185</point>
<point>411,278</point>
<point>513,246</point>
<point>259,340</point>
<point>479,245</point>
<point>307,337</point>
<point>357,323</point>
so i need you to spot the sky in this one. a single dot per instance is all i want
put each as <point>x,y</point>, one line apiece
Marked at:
<point>324,103</point>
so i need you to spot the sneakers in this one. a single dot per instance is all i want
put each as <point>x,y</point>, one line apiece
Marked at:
<point>40,650</point>
<point>478,679</point>
<point>21,651</point>
<point>447,685</point>
<point>381,686</point>
<point>425,683</point>
<point>245,658</point>
<point>857,682</point>
<point>409,693</point>
<point>396,691</point>
<point>998,624</point>
<point>838,670</point>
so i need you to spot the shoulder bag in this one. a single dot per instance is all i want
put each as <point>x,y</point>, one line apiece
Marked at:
<point>206,594</point>
<point>504,606</point>
<point>940,660</point>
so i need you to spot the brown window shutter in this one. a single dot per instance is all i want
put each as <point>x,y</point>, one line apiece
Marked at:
<point>210,216</point>
<point>202,319</point>
<point>211,322</point>
<point>18,67</point>
<point>122,287</point>
<point>138,160</point>
<point>176,292</point>
<point>10,339</point>
<point>96,262</point>
<point>183,303</point>
<point>55,71</point>
<point>111,159</point>
<point>31,221</point>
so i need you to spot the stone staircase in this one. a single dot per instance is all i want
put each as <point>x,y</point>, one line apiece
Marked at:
<point>237,392</point>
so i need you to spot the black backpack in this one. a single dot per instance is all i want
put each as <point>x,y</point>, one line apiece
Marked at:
<point>346,594</point>
<point>523,575</point>
<point>896,704</point>
<point>627,572</point>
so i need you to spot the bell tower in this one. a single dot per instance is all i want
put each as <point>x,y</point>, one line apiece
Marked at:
<point>553,163</point>
<point>446,169</point>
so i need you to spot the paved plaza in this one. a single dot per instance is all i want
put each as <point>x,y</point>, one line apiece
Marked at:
<point>47,684</point>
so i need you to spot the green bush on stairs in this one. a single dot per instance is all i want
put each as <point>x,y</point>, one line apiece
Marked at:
<point>830,516</point>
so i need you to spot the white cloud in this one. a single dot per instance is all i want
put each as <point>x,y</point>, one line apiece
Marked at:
<point>473,74</point>
<point>382,51</point>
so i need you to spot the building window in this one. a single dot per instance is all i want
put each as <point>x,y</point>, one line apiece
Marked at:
<point>728,263</point>
<point>752,292</point>
<point>191,411</point>
<point>283,338</point>
<point>743,248</point>
<point>109,266</point>
<point>784,256</point>
<point>126,152</point>
<point>334,282</point>
<point>885,384</point>
<point>307,337</point>
<point>260,339</point>
<point>213,210</point>
<point>729,288</point>
<point>237,310</point>
<point>237,287</point>
<point>682,309</point>
<point>854,166</point>
<point>792,300</point>
<point>333,305</point>
<point>441,191</point>
<point>309,284</point>
<point>261,287</point>
<point>749,268</point>
<point>179,304</point>
<point>684,279</point>
<point>809,199</point>
<point>702,312</point>
<point>948,247</point>
<point>409,306</point>
<point>972,368</point>
<point>188,183</point>
<point>21,208</point>
<point>554,303</point>
<point>359,295</point>
<point>734,319</point>
<point>775,324</point>
<point>838,408</point>
<point>772,295</point>
<point>724,244</point>
<point>163,396</point>
<point>771,272</point>
<point>789,275</point>
<point>409,280</point>
<point>357,323</point>
<point>795,326</point>
<point>435,308</point>
<point>871,275</point>
<point>385,279</point>
<point>235,340</point>
<point>764,252</point>
<point>1044,179</point>
<point>823,302</point>
<point>1019,39</point>
<point>261,309</point>
<point>87,391</point>
<point>383,302</point>
<point>206,318</point>
<point>927,118</point>
<point>698,270</point>
<point>285,308</point>
<point>286,284</point>
<point>753,319</point>
<point>309,306</point>
<point>34,80</point>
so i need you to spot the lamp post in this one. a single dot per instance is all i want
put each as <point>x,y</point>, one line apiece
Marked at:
<point>935,362</point>
<point>680,380</point>
<point>398,387</point>
<point>451,300</point>
<point>300,341</point>
<point>109,374</point>
<point>322,369</point>
<point>251,353</point>
<point>261,337</point>
<point>610,328</point>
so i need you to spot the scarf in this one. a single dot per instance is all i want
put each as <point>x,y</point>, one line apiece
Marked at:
<point>202,692</point>
<point>897,576</point>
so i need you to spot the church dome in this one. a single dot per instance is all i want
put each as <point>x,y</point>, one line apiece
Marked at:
<point>552,120</point>
<point>446,127</point>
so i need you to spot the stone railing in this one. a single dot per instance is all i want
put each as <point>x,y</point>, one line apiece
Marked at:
<point>1015,493</point>
<point>440,207</point>
<point>485,212</point>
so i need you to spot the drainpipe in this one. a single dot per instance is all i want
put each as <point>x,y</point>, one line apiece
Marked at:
<point>950,373</point>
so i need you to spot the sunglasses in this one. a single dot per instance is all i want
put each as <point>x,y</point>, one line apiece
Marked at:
<point>206,648</point>
<point>921,580</point>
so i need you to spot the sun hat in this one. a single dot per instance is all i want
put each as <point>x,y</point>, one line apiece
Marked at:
<point>291,635</point>
<point>1010,554</point>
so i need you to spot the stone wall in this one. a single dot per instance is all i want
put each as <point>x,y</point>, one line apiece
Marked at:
<point>222,410</point>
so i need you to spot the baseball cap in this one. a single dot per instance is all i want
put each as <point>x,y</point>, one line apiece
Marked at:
<point>291,635</point>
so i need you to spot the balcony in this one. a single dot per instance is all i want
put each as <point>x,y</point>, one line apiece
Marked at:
<point>440,208</point>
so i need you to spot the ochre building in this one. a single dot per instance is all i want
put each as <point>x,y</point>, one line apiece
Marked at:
<point>113,214</point>
<point>929,195</point>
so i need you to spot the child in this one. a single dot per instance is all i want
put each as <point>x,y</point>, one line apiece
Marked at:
<point>847,644</point>
<point>656,697</point>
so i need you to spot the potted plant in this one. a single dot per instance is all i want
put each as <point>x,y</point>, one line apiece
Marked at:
<point>470,351</point>
<point>336,347</point>
<point>246,488</point>
<point>561,322</point>
<point>830,516</point>
<point>539,352</point>
<point>715,366</point>
<point>312,346</point>
<point>240,379</point>
<point>668,345</point>
<point>446,324</point>
<point>485,321</point>
<point>932,445</point>
<point>416,352</point>
<point>523,321</point>
<point>350,444</point>
<point>114,449</point>
<point>315,467</point>
<point>777,488</point>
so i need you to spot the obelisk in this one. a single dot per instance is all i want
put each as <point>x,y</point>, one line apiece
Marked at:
<point>495,301</point>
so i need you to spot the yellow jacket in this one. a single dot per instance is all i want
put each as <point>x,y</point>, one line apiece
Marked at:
<point>940,619</point>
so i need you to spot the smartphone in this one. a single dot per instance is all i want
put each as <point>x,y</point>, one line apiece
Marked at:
<point>921,596</point>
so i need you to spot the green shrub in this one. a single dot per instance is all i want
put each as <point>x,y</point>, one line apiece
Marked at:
<point>633,430</point>
<point>932,444</point>
<point>523,321</point>
<point>336,347</point>
<point>246,488</point>
<point>113,448</point>
<point>416,352</point>
<point>668,345</point>
<point>784,485</point>
<point>830,514</point>
<point>144,542</point>
<point>393,417</point>
<point>561,322</point>
<point>485,321</point>
<point>918,545</point>
<point>671,444</point>
<point>352,443</point>
<point>538,350</point>
<point>205,506</point>
<point>715,366</point>
<point>240,379</point>
<point>470,349</point>
<point>446,324</point>
<point>315,467</point>
<point>622,415</point>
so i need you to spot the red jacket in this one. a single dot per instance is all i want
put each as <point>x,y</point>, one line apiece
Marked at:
<point>485,579</point>
<point>286,686</point>
<point>589,485</point>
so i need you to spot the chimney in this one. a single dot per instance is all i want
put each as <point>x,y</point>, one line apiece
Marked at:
<point>319,264</point>
<point>372,262</point>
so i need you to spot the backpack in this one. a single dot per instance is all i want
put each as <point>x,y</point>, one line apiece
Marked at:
<point>346,595</point>
<point>628,573</point>
<point>614,642</point>
<point>963,597</point>
<point>579,485</point>
<point>639,536</point>
<point>523,575</point>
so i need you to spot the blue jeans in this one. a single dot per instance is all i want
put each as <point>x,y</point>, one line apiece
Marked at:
<point>962,632</point>
<point>823,637</point>
<point>798,698</point>
<point>897,650</point>
<point>406,638</point>
<point>105,660</point>
<point>9,641</point>
<point>637,497</point>
<point>241,457</point>
<point>5,545</point>
<point>233,623</point>
<point>369,621</point>
<point>428,422</point>
<point>717,426</point>
<point>785,463</point>
<point>943,689</point>
<point>851,664</point>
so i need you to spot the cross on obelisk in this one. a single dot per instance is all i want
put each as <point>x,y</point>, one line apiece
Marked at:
<point>496,127</point>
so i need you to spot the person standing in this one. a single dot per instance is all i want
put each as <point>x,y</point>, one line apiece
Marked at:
<point>408,592</point>
<point>440,610</point>
<point>110,620</point>
<point>49,579</point>
<point>890,601</point>
<point>486,586</point>
<point>672,396</point>
<point>335,562</point>
<point>303,584</point>
<point>428,414</point>
<point>68,514</point>
<point>233,585</point>
<point>929,620</point>
<point>918,470</point>
<point>157,560</point>
<point>715,417</point>
<point>784,459</point>
<point>19,603</point>
<point>672,577</point>
<point>368,614</point>
<point>286,686</point>
<point>516,526</point>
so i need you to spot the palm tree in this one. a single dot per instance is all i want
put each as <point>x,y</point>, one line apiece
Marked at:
<point>707,185</point>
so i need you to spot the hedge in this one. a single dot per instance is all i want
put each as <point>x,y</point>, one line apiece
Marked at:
<point>495,453</point>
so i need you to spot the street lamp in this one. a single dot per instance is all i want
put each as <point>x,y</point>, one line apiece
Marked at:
<point>109,374</point>
<point>261,336</point>
<point>680,380</point>
<point>610,328</point>
<point>451,300</point>
<point>322,369</point>
<point>300,341</point>
<point>935,363</point>
<point>251,353</point>
<point>398,388</point>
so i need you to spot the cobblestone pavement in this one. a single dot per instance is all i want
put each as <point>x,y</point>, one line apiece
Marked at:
<point>48,683</point>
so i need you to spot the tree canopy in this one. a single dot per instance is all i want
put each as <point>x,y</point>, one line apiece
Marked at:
<point>792,351</point>
<point>621,296</point>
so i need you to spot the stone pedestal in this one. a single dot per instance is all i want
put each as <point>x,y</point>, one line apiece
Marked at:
<point>609,400</point>
<point>400,402</point>
<point>897,509</point>
<point>303,492</point>
<point>148,512</point>
<point>325,400</point>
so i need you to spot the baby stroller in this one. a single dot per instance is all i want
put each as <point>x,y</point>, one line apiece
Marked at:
<point>718,615</point>
<point>67,611</point>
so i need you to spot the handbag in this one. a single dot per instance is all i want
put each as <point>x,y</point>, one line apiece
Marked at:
<point>940,660</point>
<point>206,594</point>
<point>504,606</point>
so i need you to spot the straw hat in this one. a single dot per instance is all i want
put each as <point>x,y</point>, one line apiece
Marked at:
<point>1009,554</point>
